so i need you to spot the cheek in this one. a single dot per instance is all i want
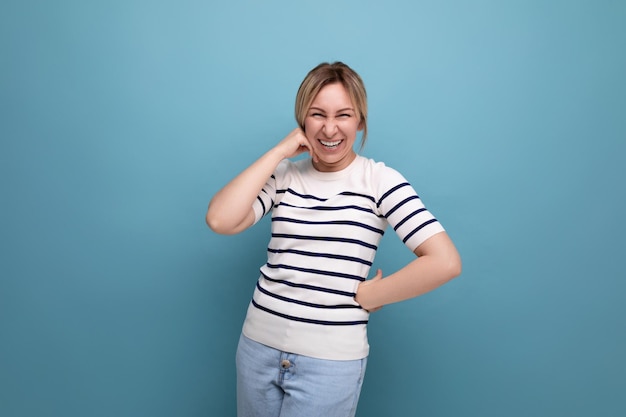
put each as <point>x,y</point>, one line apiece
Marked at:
<point>310,128</point>
<point>350,127</point>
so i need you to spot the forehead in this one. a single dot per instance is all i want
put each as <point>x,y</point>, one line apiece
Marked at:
<point>332,95</point>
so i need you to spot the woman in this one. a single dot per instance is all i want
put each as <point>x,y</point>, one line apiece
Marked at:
<point>304,347</point>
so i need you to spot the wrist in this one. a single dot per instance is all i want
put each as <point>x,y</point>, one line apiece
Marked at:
<point>276,155</point>
<point>365,295</point>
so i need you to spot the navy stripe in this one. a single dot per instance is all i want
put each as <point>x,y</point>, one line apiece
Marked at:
<point>417,229</point>
<point>304,303</point>
<point>326,238</point>
<point>416,212</point>
<point>321,255</point>
<point>312,197</point>
<point>305,196</point>
<point>342,222</point>
<point>404,184</point>
<point>315,271</point>
<point>400,204</point>
<point>350,193</point>
<point>301,319</point>
<point>325,208</point>
<point>262,205</point>
<point>266,193</point>
<point>310,287</point>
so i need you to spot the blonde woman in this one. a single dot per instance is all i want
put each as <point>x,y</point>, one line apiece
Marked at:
<point>303,348</point>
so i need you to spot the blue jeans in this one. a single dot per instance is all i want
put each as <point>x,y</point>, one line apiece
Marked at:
<point>271,383</point>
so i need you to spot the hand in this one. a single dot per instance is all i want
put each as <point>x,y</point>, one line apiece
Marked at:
<point>364,289</point>
<point>296,143</point>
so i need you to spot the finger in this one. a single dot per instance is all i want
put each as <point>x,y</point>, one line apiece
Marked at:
<point>305,147</point>
<point>303,141</point>
<point>306,144</point>
<point>300,138</point>
<point>379,275</point>
<point>295,143</point>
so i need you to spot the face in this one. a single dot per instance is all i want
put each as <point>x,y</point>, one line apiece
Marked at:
<point>331,125</point>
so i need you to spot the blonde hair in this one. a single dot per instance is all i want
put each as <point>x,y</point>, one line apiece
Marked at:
<point>325,74</point>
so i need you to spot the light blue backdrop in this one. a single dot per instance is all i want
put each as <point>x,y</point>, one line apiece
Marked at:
<point>120,119</point>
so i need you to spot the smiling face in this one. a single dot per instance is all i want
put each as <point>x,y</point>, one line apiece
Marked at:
<point>331,126</point>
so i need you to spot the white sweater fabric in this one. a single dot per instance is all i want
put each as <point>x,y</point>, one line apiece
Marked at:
<point>326,227</point>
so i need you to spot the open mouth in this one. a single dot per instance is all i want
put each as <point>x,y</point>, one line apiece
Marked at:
<point>330,144</point>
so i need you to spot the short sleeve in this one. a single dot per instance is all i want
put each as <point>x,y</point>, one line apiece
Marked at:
<point>400,204</point>
<point>266,199</point>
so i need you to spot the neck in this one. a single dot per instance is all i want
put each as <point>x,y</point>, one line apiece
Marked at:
<point>334,166</point>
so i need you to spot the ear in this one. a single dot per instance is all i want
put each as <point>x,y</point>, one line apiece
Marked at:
<point>361,125</point>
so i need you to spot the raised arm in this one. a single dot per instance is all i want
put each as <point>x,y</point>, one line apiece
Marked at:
<point>437,262</point>
<point>230,210</point>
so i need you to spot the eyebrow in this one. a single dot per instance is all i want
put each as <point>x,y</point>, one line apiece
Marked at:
<point>338,111</point>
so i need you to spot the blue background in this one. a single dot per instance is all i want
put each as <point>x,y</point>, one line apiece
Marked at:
<point>120,119</point>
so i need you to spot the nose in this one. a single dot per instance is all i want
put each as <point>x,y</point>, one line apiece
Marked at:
<point>329,128</point>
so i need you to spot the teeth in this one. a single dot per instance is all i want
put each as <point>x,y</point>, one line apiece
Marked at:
<point>330,144</point>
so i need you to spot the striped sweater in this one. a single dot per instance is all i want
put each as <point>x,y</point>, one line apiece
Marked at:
<point>326,227</point>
